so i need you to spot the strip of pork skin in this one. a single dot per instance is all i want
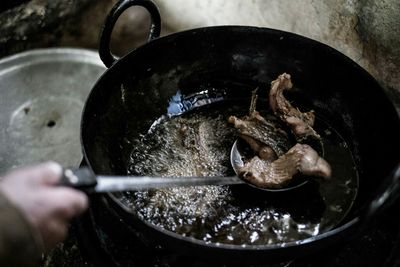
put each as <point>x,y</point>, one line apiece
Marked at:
<point>300,123</point>
<point>300,158</point>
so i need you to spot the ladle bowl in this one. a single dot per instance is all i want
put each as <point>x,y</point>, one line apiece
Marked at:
<point>238,158</point>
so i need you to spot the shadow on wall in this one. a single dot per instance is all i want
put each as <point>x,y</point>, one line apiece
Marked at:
<point>368,31</point>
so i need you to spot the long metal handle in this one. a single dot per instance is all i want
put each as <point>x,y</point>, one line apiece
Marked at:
<point>115,184</point>
<point>84,179</point>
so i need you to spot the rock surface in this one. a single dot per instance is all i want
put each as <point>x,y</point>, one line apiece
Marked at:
<point>367,31</point>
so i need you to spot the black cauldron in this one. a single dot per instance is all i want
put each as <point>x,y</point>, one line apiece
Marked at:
<point>136,89</point>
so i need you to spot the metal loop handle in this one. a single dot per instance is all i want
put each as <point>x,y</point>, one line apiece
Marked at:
<point>105,35</point>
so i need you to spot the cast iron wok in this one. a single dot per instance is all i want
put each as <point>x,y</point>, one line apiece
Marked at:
<point>137,88</point>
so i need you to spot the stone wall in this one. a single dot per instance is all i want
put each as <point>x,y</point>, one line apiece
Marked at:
<point>37,23</point>
<point>74,23</point>
<point>368,31</point>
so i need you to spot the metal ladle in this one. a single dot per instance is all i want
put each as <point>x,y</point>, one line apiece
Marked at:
<point>85,179</point>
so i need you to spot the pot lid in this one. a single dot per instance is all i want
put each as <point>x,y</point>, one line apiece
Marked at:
<point>42,96</point>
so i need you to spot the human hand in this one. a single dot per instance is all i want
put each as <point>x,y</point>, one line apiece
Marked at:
<point>47,207</point>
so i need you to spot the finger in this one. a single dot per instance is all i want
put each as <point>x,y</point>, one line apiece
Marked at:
<point>46,173</point>
<point>50,172</point>
<point>67,202</point>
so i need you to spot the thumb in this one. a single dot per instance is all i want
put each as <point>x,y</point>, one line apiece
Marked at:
<point>50,172</point>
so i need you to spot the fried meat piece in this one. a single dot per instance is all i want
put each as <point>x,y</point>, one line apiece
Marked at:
<point>277,162</point>
<point>300,158</point>
<point>300,123</point>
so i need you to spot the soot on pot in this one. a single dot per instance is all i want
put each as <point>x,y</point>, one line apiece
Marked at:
<point>197,143</point>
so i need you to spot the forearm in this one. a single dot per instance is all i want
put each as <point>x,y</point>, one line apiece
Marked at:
<point>20,245</point>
